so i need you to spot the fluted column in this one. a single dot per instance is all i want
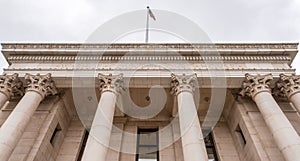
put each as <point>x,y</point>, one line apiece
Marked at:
<point>281,129</point>
<point>98,141</point>
<point>191,135</point>
<point>11,131</point>
<point>290,87</point>
<point>9,85</point>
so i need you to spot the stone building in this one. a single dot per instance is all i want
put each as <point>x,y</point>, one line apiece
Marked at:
<point>149,102</point>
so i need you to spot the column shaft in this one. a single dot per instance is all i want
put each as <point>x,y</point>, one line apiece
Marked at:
<point>295,99</point>
<point>13,128</point>
<point>283,132</point>
<point>98,141</point>
<point>3,99</point>
<point>192,139</point>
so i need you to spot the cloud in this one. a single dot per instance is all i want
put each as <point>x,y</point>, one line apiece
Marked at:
<point>224,21</point>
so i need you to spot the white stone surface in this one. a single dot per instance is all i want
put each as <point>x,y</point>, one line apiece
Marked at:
<point>284,134</point>
<point>192,140</point>
<point>98,141</point>
<point>295,99</point>
<point>13,128</point>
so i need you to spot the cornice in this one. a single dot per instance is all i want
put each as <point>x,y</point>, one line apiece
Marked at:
<point>6,46</point>
<point>227,52</point>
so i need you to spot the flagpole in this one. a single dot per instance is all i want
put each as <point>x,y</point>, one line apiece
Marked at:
<point>147,25</point>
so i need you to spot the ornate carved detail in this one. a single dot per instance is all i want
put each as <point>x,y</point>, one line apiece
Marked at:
<point>288,85</point>
<point>90,58</point>
<point>42,84</point>
<point>183,83</point>
<point>256,84</point>
<point>111,83</point>
<point>10,85</point>
<point>219,46</point>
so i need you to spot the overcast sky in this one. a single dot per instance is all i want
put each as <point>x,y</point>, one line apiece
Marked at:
<point>223,21</point>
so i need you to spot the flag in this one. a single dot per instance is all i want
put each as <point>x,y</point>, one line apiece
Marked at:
<point>151,14</point>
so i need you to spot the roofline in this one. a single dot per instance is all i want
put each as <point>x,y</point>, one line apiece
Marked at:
<point>6,45</point>
<point>273,48</point>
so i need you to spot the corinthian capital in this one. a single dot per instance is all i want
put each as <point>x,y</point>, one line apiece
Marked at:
<point>10,85</point>
<point>113,83</point>
<point>183,83</point>
<point>256,84</point>
<point>42,84</point>
<point>289,85</point>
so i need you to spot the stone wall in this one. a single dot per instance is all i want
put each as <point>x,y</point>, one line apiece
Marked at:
<point>50,133</point>
<point>260,144</point>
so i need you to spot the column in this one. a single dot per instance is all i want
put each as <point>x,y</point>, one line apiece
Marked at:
<point>10,85</point>
<point>191,135</point>
<point>281,129</point>
<point>98,141</point>
<point>11,131</point>
<point>290,87</point>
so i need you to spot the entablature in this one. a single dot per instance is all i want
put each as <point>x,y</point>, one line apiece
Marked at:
<point>151,62</point>
<point>15,52</point>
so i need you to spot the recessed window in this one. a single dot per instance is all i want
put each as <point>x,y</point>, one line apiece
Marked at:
<point>147,145</point>
<point>210,148</point>
<point>83,145</point>
<point>55,134</point>
<point>240,135</point>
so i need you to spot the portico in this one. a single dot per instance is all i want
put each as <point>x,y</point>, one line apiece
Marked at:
<point>149,105</point>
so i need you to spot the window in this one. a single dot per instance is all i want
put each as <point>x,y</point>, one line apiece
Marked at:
<point>147,145</point>
<point>210,148</point>
<point>240,135</point>
<point>55,134</point>
<point>83,145</point>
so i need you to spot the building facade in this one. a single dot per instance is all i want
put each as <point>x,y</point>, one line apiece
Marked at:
<point>149,102</point>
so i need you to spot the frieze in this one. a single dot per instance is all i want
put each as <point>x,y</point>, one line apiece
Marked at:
<point>147,58</point>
